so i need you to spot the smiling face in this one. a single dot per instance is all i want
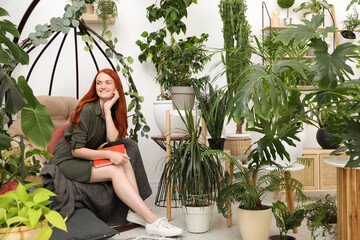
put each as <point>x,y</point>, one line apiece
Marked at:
<point>105,86</point>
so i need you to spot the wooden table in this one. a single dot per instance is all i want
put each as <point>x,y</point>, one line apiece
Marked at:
<point>348,199</point>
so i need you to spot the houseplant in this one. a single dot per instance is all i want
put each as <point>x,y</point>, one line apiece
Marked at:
<point>175,60</point>
<point>90,6</point>
<point>313,7</point>
<point>21,209</point>
<point>193,174</point>
<point>351,23</point>
<point>286,4</point>
<point>247,191</point>
<point>286,220</point>
<point>237,48</point>
<point>106,9</point>
<point>213,105</point>
<point>321,216</point>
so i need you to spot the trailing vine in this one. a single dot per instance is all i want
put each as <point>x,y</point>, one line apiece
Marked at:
<point>71,19</point>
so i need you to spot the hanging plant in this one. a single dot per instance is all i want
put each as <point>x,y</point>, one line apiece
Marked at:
<point>106,9</point>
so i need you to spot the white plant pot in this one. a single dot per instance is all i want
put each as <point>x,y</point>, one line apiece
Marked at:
<point>254,224</point>
<point>198,219</point>
<point>177,126</point>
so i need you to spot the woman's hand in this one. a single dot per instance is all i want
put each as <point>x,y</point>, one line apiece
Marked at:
<point>118,158</point>
<point>111,101</point>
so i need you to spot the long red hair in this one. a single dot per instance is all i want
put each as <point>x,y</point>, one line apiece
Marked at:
<point>118,110</point>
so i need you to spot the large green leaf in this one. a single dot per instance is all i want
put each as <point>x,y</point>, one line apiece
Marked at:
<point>28,93</point>
<point>331,67</point>
<point>15,99</point>
<point>37,125</point>
<point>303,33</point>
<point>18,53</point>
<point>4,141</point>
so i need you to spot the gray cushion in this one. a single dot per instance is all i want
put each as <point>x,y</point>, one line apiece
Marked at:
<point>83,225</point>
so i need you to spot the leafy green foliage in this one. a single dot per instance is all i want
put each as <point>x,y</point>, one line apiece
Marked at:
<point>20,208</point>
<point>213,105</point>
<point>352,21</point>
<point>313,6</point>
<point>285,3</point>
<point>249,187</point>
<point>286,220</point>
<point>193,168</point>
<point>321,214</point>
<point>177,60</point>
<point>20,162</point>
<point>236,34</point>
<point>106,9</point>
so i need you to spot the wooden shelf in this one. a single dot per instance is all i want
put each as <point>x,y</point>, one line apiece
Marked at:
<point>94,18</point>
<point>281,28</point>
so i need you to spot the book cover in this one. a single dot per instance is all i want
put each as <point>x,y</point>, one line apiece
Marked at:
<point>106,162</point>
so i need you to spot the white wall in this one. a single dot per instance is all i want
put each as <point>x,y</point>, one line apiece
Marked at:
<point>132,21</point>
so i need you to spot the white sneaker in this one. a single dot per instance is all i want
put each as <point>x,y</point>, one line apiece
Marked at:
<point>162,227</point>
<point>135,218</point>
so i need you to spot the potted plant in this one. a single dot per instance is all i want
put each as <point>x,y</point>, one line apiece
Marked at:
<point>351,23</point>
<point>213,104</point>
<point>321,216</point>
<point>193,174</point>
<point>21,211</point>
<point>19,164</point>
<point>175,61</point>
<point>107,12</point>
<point>247,190</point>
<point>286,4</point>
<point>237,47</point>
<point>313,7</point>
<point>89,6</point>
<point>286,220</point>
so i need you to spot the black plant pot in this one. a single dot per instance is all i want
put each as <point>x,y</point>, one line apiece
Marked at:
<point>277,237</point>
<point>325,140</point>
<point>348,34</point>
<point>216,143</point>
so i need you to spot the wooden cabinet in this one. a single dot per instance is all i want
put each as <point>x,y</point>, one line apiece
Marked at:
<point>319,175</point>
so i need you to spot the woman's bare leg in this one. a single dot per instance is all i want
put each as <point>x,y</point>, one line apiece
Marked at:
<point>124,189</point>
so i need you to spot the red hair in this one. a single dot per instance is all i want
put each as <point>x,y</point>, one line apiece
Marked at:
<point>118,110</point>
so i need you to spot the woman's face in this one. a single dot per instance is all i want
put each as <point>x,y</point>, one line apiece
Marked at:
<point>105,86</point>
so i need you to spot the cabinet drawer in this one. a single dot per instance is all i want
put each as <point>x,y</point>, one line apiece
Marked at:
<point>309,175</point>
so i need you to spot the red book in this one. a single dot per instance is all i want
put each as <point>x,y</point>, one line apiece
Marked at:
<point>105,162</point>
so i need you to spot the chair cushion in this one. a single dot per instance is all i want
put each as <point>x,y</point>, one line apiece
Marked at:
<point>83,225</point>
<point>56,136</point>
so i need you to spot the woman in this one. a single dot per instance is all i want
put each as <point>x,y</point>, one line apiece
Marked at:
<point>101,116</point>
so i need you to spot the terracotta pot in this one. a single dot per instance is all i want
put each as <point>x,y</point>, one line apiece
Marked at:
<point>89,8</point>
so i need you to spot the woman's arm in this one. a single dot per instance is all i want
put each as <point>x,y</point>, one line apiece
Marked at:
<point>111,131</point>
<point>90,154</point>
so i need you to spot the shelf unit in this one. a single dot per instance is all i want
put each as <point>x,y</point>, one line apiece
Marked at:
<point>319,176</point>
<point>93,18</point>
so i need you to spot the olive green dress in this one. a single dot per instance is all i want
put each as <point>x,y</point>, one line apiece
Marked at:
<point>90,134</point>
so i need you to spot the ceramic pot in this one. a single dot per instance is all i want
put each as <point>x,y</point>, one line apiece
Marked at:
<point>198,219</point>
<point>177,125</point>
<point>277,237</point>
<point>287,21</point>
<point>182,97</point>
<point>89,8</point>
<point>216,143</point>
<point>325,141</point>
<point>254,224</point>
<point>348,34</point>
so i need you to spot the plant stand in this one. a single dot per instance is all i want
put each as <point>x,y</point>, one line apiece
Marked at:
<point>348,195</point>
